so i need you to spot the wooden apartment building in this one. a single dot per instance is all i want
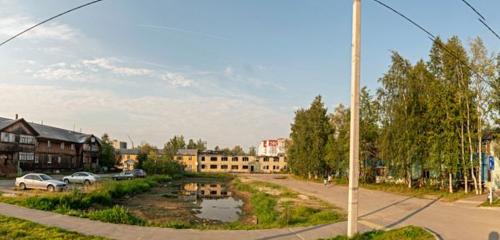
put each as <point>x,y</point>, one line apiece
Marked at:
<point>30,147</point>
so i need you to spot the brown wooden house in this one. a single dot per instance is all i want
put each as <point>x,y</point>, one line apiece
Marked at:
<point>37,147</point>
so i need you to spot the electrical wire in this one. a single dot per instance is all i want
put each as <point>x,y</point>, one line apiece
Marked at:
<point>48,19</point>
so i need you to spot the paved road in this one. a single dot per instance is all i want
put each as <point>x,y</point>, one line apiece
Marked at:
<point>462,220</point>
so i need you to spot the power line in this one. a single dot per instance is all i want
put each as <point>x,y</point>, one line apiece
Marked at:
<point>46,20</point>
<point>481,19</point>
<point>432,37</point>
<point>474,9</point>
<point>489,28</point>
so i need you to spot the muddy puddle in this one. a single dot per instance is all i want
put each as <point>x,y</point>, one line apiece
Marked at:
<point>194,201</point>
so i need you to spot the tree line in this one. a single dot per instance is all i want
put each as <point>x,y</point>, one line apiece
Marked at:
<point>424,125</point>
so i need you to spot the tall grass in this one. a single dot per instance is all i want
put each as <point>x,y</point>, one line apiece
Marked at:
<point>84,204</point>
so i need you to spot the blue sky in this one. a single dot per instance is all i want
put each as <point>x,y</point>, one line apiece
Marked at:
<point>228,71</point>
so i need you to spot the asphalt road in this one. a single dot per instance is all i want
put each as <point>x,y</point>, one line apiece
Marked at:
<point>459,220</point>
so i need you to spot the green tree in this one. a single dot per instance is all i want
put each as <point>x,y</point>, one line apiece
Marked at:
<point>107,152</point>
<point>237,150</point>
<point>170,148</point>
<point>309,136</point>
<point>252,151</point>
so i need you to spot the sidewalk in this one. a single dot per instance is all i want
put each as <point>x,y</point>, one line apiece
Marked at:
<point>130,232</point>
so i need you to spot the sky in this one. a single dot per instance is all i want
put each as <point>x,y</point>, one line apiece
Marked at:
<point>231,72</point>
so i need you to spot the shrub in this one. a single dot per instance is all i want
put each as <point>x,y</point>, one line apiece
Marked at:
<point>116,214</point>
<point>263,205</point>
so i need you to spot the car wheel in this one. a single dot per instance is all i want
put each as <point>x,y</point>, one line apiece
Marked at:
<point>66,181</point>
<point>87,182</point>
<point>51,188</point>
<point>22,186</point>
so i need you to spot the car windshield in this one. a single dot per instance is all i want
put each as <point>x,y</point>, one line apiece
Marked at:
<point>45,177</point>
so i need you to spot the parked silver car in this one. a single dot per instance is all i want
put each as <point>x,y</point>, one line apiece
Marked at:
<point>81,177</point>
<point>125,175</point>
<point>39,181</point>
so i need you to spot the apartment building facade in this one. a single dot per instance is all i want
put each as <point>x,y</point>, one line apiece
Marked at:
<point>217,162</point>
<point>26,147</point>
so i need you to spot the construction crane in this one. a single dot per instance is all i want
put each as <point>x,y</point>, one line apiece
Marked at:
<point>131,141</point>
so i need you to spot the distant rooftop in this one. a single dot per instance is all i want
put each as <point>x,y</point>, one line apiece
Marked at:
<point>50,132</point>
<point>187,152</point>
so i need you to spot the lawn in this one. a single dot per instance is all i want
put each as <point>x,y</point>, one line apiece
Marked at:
<point>405,233</point>
<point>422,192</point>
<point>96,204</point>
<point>275,206</point>
<point>496,203</point>
<point>13,228</point>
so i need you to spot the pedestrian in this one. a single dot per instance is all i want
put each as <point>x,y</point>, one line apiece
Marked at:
<point>325,179</point>
<point>329,178</point>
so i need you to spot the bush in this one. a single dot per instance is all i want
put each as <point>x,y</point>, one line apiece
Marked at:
<point>117,214</point>
<point>169,167</point>
<point>263,206</point>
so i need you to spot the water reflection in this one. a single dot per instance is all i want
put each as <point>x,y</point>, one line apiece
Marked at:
<point>213,201</point>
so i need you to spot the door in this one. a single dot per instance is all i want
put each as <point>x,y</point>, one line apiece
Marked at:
<point>251,168</point>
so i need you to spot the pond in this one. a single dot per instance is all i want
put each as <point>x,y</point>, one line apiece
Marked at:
<point>196,200</point>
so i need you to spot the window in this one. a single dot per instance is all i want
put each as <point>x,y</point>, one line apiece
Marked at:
<point>276,159</point>
<point>62,146</point>
<point>234,159</point>
<point>223,167</point>
<point>224,158</point>
<point>24,156</point>
<point>213,159</point>
<point>8,137</point>
<point>25,139</point>
<point>36,159</point>
<point>72,146</point>
<point>266,159</point>
<point>234,167</point>
<point>245,167</point>
<point>202,166</point>
<point>265,167</point>
<point>213,166</point>
<point>203,158</point>
<point>49,159</point>
<point>179,158</point>
<point>190,158</point>
<point>59,160</point>
<point>276,167</point>
<point>92,139</point>
<point>48,144</point>
<point>245,159</point>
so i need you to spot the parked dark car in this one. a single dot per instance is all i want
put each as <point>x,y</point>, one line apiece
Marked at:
<point>139,173</point>
<point>125,175</point>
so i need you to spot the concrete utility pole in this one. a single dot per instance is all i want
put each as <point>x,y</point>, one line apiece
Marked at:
<point>352,221</point>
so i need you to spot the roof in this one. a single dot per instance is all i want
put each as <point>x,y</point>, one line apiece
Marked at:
<point>4,122</point>
<point>189,152</point>
<point>50,132</point>
<point>129,151</point>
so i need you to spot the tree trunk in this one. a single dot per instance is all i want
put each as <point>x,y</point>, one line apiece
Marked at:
<point>450,182</point>
<point>471,151</point>
<point>479,148</point>
<point>464,164</point>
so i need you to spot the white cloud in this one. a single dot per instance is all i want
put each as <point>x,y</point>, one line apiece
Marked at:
<point>219,120</point>
<point>109,64</point>
<point>11,25</point>
<point>176,79</point>
<point>228,71</point>
<point>59,71</point>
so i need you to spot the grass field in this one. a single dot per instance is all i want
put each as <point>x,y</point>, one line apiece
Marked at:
<point>13,228</point>
<point>405,233</point>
